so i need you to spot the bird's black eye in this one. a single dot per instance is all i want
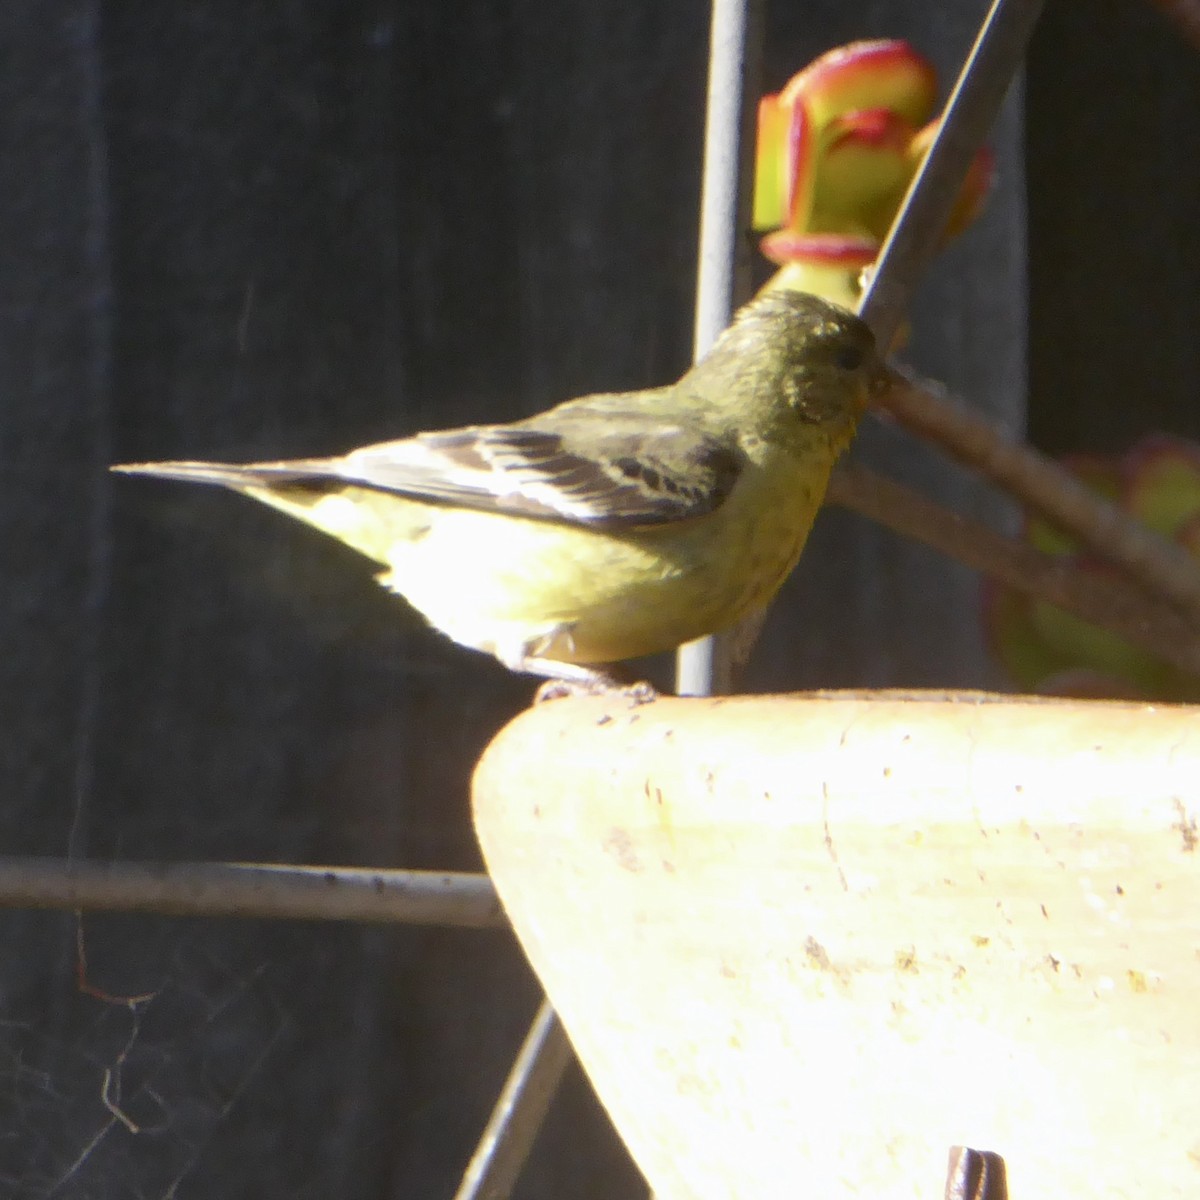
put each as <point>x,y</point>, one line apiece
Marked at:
<point>849,358</point>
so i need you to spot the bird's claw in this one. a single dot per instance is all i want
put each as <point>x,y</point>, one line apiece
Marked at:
<point>596,685</point>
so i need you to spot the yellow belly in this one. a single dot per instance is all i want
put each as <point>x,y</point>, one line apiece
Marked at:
<point>516,587</point>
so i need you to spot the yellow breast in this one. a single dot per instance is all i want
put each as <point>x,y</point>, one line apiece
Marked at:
<point>513,587</point>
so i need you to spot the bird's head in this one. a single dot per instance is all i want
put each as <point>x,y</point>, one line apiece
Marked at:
<point>812,363</point>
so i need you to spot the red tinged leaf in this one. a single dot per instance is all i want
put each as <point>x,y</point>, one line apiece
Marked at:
<point>829,265</point>
<point>886,73</point>
<point>838,146</point>
<point>863,173</point>
<point>826,249</point>
<point>1162,482</point>
<point>784,163</point>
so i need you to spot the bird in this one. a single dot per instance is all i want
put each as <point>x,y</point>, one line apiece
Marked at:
<point>610,526</point>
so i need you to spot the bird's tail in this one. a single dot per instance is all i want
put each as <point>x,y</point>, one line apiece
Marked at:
<point>237,475</point>
<point>311,490</point>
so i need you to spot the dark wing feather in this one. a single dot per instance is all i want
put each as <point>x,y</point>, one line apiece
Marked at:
<point>619,475</point>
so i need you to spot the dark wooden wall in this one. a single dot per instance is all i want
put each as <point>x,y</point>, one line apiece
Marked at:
<point>262,229</point>
<point>1114,227</point>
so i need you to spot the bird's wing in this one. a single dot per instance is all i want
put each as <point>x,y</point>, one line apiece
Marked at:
<point>609,470</point>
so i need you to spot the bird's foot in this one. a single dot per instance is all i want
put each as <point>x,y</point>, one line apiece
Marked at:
<point>557,689</point>
<point>636,693</point>
<point>570,679</point>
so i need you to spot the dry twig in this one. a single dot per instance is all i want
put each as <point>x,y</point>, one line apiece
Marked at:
<point>1117,606</point>
<point>1163,569</point>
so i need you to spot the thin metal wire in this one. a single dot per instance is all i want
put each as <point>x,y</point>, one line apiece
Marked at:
<point>726,256</point>
<point>520,1110</point>
<point>703,668</point>
<point>253,890</point>
<point>919,225</point>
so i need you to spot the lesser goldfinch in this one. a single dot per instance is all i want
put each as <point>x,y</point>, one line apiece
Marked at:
<point>610,526</point>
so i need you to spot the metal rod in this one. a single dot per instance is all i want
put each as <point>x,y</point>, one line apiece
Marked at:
<point>703,668</point>
<point>519,1112</point>
<point>975,1175</point>
<point>919,225</point>
<point>260,890</point>
<point>726,255</point>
